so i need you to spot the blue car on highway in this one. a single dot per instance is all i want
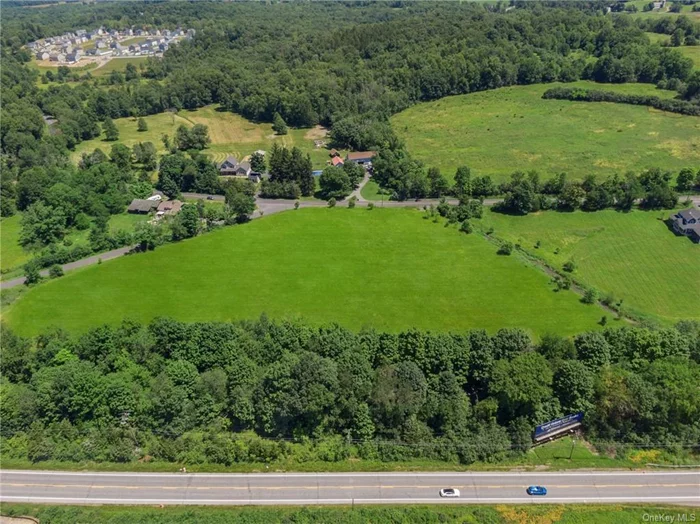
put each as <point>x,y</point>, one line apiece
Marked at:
<point>536,490</point>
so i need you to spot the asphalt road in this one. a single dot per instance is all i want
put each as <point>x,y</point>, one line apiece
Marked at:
<point>669,487</point>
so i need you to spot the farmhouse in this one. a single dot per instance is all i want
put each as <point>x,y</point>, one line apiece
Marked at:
<point>687,222</point>
<point>361,157</point>
<point>141,206</point>
<point>337,161</point>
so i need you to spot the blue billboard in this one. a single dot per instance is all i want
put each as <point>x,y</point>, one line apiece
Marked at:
<point>558,426</point>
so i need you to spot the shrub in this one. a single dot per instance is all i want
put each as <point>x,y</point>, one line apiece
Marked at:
<point>569,266</point>
<point>82,221</point>
<point>466,227</point>
<point>589,297</point>
<point>352,202</point>
<point>331,202</point>
<point>31,274</point>
<point>505,249</point>
<point>370,206</point>
<point>55,271</point>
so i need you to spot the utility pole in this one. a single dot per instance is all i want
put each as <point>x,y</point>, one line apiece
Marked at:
<point>571,452</point>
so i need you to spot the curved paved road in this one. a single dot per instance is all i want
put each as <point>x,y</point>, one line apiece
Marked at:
<point>669,487</point>
<point>109,255</point>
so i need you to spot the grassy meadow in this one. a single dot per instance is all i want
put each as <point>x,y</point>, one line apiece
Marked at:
<point>118,64</point>
<point>500,131</point>
<point>390,269</point>
<point>230,134</point>
<point>11,252</point>
<point>631,255</point>
<point>692,52</point>
<point>13,255</point>
<point>464,513</point>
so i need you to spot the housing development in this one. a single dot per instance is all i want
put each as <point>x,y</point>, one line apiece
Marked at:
<point>72,47</point>
<point>350,261</point>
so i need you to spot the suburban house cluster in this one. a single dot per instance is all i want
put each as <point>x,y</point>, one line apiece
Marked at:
<point>156,205</point>
<point>687,222</point>
<point>70,48</point>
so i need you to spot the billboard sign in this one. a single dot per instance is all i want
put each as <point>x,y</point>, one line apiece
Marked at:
<point>560,425</point>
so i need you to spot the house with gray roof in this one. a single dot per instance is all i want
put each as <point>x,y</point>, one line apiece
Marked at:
<point>687,222</point>
<point>142,206</point>
<point>228,166</point>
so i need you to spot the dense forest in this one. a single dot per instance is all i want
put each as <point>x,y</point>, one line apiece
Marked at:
<point>372,61</point>
<point>243,392</point>
<point>286,61</point>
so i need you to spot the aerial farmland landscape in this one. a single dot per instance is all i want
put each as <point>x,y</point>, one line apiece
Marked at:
<point>350,261</point>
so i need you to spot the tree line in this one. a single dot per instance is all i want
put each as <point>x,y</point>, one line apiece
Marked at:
<point>682,107</point>
<point>256,391</point>
<point>286,60</point>
<point>652,189</point>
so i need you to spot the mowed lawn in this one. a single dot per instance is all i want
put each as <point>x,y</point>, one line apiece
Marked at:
<point>11,252</point>
<point>632,255</point>
<point>118,64</point>
<point>513,128</point>
<point>390,269</point>
<point>230,134</point>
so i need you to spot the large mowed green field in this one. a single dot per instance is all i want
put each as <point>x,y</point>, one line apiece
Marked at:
<point>230,134</point>
<point>632,255</point>
<point>389,269</point>
<point>513,128</point>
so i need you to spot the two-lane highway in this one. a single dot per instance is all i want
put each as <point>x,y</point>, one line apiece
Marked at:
<point>51,487</point>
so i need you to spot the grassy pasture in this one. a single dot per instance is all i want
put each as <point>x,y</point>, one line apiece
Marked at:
<point>465,513</point>
<point>231,134</point>
<point>513,128</point>
<point>656,38</point>
<point>692,52</point>
<point>385,268</point>
<point>11,252</point>
<point>118,64</point>
<point>13,255</point>
<point>632,255</point>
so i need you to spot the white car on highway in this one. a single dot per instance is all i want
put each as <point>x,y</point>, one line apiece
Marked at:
<point>449,493</point>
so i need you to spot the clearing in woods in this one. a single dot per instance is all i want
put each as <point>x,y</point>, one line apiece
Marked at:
<point>509,129</point>
<point>385,268</point>
<point>230,134</point>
